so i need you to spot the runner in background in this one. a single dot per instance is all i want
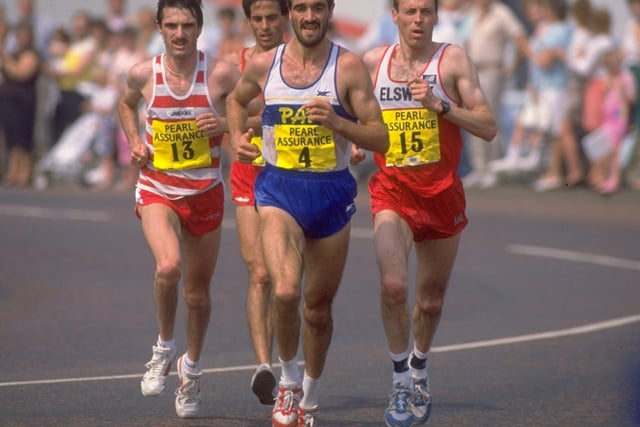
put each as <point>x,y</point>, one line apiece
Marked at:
<point>268,20</point>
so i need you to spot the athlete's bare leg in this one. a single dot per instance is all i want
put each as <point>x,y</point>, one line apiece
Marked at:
<point>200,255</point>
<point>435,259</point>
<point>393,241</point>
<point>259,293</point>
<point>283,245</point>
<point>162,230</point>
<point>324,263</point>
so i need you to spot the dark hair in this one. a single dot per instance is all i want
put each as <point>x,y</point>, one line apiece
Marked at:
<point>227,13</point>
<point>246,6</point>
<point>195,6</point>
<point>330,3</point>
<point>580,12</point>
<point>557,7</point>
<point>397,2</point>
<point>60,33</point>
<point>600,22</point>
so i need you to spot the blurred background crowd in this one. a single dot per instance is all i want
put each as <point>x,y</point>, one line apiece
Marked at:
<point>563,81</point>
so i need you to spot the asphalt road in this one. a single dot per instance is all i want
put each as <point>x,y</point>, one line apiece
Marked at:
<point>541,324</point>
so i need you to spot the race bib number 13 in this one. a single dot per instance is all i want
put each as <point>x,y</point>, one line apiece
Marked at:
<point>179,145</point>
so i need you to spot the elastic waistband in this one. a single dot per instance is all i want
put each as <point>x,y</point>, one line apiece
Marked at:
<point>307,174</point>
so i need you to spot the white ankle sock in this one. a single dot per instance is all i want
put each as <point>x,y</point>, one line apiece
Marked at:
<point>290,372</point>
<point>166,344</point>
<point>418,353</point>
<point>189,365</point>
<point>311,392</point>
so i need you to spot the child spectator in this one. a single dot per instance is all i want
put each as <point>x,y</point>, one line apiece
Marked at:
<point>618,96</point>
<point>631,49</point>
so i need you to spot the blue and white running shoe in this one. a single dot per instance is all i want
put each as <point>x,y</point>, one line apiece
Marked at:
<point>398,413</point>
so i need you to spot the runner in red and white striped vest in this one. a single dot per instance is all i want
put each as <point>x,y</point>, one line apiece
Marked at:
<point>182,160</point>
<point>180,191</point>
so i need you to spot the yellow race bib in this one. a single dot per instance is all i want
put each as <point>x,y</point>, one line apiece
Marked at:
<point>309,147</point>
<point>257,141</point>
<point>414,137</point>
<point>179,145</point>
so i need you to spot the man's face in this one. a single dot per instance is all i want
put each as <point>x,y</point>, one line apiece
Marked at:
<point>415,20</point>
<point>310,20</point>
<point>180,31</point>
<point>267,23</point>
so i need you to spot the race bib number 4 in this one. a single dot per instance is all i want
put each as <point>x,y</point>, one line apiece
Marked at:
<point>305,147</point>
<point>414,137</point>
<point>179,145</point>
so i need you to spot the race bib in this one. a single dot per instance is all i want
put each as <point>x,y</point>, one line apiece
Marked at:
<point>414,137</point>
<point>309,147</point>
<point>257,141</point>
<point>179,145</point>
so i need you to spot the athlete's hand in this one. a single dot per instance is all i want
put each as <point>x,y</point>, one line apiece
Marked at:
<point>210,124</point>
<point>321,111</point>
<point>421,92</point>
<point>357,155</point>
<point>246,152</point>
<point>139,155</point>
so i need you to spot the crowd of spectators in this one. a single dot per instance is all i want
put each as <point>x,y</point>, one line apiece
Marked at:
<point>575,122</point>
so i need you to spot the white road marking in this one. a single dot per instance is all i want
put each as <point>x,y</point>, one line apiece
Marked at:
<point>51,213</point>
<point>585,329</point>
<point>37,212</point>
<point>364,233</point>
<point>596,259</point>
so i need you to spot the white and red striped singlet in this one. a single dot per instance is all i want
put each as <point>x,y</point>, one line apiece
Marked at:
<point>182,161</point>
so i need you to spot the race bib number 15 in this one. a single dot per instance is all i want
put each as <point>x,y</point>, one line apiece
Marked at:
<point>414,137</point>
<point>179,145</point>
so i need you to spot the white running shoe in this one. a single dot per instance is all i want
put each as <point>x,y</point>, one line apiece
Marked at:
<point>188,393</point>
<point>307,417</point>
<point>529,163</point>
<point>547,183</point>
<point>471,180</point>
<point>505,164</point>
<point>421,401</point>
<point>263,384</point>
<point>489,180</point>
<point>285,410</point>
<point>154,380</point>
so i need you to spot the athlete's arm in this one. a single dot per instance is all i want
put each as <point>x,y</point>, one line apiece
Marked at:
<point>238,104</point>
<point>222,77</point>
<point>138,77</point>
<point>356,94</point>
<point>460,78</point>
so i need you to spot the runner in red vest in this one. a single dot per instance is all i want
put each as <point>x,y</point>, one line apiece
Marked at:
<point>269,21</point>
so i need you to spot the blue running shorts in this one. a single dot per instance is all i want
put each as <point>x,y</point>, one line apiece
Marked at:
<point>321,202</point>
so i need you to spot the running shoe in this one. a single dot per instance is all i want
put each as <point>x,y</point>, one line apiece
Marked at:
<point>307,417</point>
<point>188,393</point>
<point>421,401</point>
<point>398,413</point>
<point>154,380</point>
<point>263,384</point>
<point>285,408</point>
